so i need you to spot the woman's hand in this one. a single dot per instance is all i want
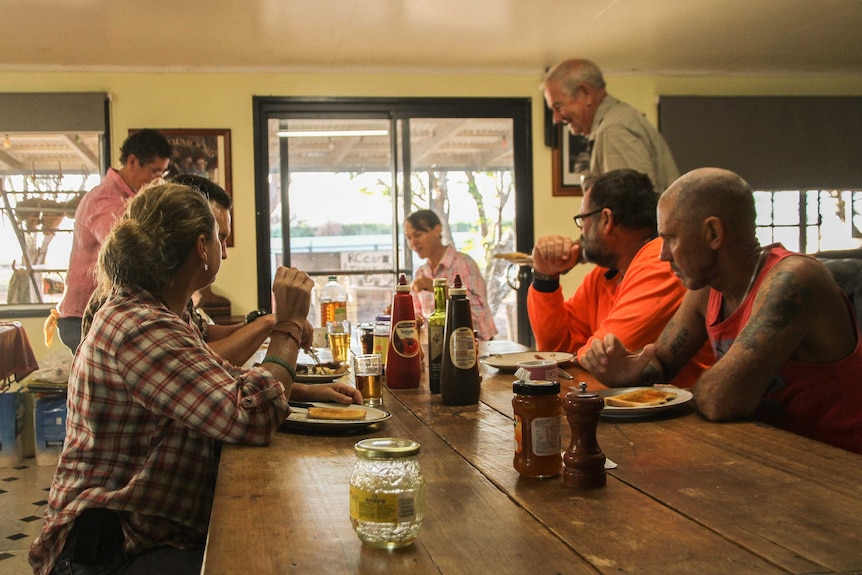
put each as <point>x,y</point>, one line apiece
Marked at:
<point>291,290</point>
<point>329,393</point>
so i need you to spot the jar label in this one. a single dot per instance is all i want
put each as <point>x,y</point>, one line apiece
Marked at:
<point>405,340</point>
<point>378,507</point>
<point>545,433</point>
<point>519,430</point>
<point>462,348</point>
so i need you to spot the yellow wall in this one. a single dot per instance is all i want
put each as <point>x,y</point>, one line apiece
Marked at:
<point>224,100</point>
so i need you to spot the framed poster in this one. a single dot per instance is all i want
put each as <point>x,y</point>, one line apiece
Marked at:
<point>202,152</point>
<point>570,160</point>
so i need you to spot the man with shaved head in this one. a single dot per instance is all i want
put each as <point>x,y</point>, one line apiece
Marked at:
<point>785,338</point>
<point>619,135</point>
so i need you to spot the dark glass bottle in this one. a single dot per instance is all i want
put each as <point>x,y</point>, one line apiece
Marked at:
<point>459,375</point>
<point>403,364</point>
<point>436,333</point>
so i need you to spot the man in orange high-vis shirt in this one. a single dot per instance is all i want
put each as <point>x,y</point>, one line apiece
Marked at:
<point>630,292</point>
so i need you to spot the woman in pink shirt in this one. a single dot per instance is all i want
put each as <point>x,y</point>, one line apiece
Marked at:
<point>424,232</point>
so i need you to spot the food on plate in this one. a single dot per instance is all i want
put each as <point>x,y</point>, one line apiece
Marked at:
<point>326,368</point>
<point>343,413</point>
<point>640,398</point>
<point>512,256</point>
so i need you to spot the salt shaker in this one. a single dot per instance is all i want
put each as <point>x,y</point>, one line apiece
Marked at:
<point>584,461</point>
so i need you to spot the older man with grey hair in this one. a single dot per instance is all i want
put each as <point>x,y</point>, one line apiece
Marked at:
<point>619,135</point>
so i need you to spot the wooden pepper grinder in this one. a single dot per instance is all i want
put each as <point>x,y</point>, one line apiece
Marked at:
<point>584,461</point>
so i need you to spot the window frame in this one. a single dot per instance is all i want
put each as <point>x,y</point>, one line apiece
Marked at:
<point>62,113</point>
<point>268,107</point>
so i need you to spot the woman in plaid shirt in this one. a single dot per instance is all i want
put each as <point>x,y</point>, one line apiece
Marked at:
<point>149,403</point>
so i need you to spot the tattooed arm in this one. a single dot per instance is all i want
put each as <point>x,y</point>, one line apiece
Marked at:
<point>796,314</point>
<point>681,339</point>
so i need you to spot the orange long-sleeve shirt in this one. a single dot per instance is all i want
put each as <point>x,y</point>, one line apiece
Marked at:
<point>635,308</point>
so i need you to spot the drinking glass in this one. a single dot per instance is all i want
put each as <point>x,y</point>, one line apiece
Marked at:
<point>367,372</point>
<point>339,339</point>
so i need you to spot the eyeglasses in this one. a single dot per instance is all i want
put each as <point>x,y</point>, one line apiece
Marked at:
<point>578,218</point>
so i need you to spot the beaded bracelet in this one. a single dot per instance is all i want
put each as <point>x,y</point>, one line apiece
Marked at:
<point>278,361</point>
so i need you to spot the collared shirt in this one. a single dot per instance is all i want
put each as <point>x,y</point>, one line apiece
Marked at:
<point>623,138</point>
<point>454,262</point>
<point>99,209</point>
<point>635,307</point>
<point>149,404</point>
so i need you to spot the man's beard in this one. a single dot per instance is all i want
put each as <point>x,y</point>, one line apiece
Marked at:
<point>598,254</point>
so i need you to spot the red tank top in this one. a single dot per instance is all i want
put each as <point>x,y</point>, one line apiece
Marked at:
<point>820,401</point>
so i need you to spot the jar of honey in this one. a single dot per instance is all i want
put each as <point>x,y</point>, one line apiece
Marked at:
<point>387,492</point>
<point>537,428</point>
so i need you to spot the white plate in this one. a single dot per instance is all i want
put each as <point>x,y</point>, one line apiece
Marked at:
<point>320,377</point>
<point>527,261</point>
<point>682,396</point>
<point>510,361</point>
<point>298,418</point>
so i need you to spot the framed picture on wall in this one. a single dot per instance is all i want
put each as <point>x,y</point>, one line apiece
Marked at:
<point>570,159</point>
<point>202,152</point>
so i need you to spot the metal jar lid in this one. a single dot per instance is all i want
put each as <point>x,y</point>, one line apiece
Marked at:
<point>536,387</point>
<point>386,448</point>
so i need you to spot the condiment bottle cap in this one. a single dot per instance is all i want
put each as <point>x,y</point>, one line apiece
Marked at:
<point>386,448</point>
<point>536,387</point>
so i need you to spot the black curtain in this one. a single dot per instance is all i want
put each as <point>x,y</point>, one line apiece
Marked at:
<point>774,143</point>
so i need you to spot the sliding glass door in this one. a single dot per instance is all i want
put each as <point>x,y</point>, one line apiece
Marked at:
<point>336,178</point>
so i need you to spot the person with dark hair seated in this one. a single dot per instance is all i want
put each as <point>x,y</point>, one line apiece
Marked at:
<point>630,291</point>
<point>235,342</point>
<point>149,403</point>
<point>424,232</point>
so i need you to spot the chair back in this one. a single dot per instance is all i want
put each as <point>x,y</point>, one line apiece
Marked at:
<point>848,275</point>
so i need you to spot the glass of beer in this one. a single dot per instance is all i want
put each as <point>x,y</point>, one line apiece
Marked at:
<point>339,339</point>
<point>367,372</point>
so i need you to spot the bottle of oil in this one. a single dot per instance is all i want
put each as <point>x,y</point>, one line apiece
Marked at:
<point>459,376</point>
<point>403,364</point>
<point>333,302</point>
<point>436,333</point>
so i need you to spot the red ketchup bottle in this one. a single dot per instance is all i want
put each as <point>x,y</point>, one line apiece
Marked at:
<point>403,364</point>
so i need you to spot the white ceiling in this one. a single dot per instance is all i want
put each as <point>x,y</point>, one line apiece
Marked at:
<point>649,37</point>
<point>638,36</point>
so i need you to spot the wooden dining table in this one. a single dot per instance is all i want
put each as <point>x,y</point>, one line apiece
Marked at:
<point>686,496</point>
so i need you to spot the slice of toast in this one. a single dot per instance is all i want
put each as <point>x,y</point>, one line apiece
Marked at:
<point>342,413</point>
<point>640,398</point>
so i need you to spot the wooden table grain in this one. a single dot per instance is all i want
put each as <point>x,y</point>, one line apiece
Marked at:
<point>687,496</point>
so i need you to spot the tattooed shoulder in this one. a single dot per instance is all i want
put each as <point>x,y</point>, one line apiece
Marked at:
<point>782,297</point>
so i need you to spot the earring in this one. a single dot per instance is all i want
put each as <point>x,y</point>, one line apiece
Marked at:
<point>206,267</point>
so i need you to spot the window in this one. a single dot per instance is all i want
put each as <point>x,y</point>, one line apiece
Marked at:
<point>810,221</point>
<point>335,180</point>
<point>52,150</point>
